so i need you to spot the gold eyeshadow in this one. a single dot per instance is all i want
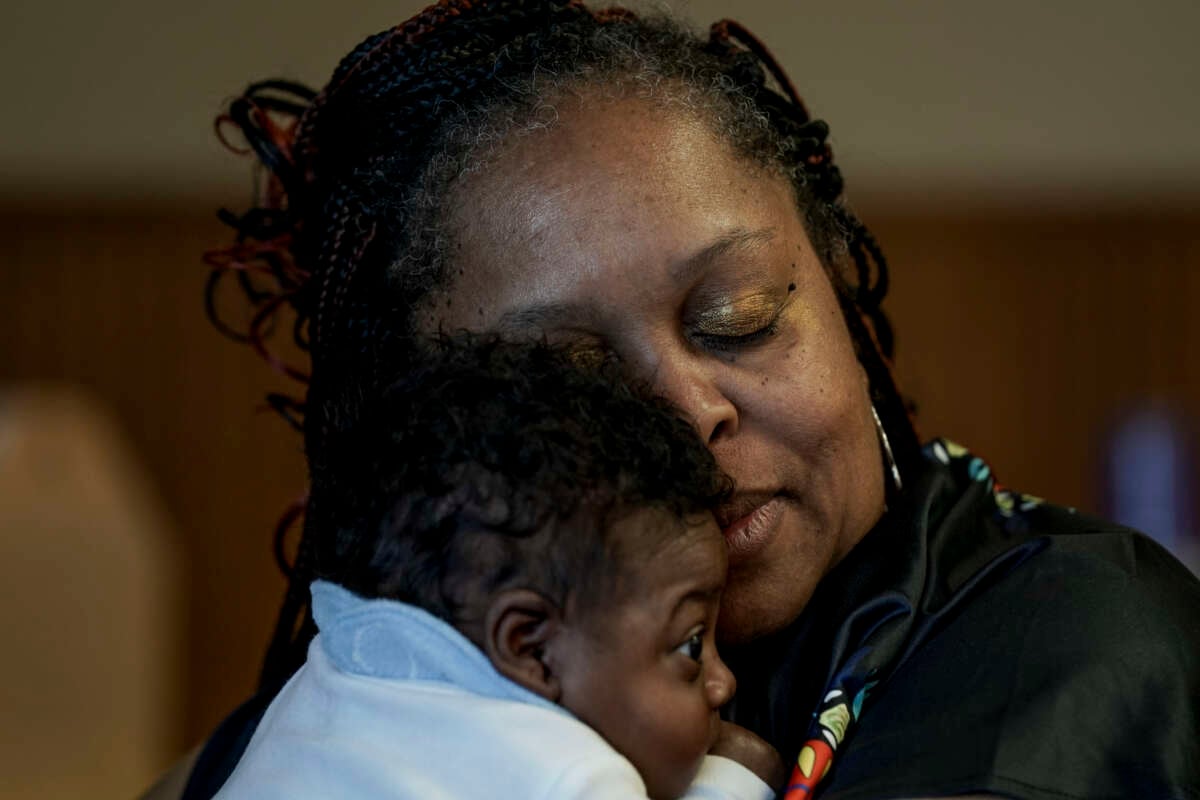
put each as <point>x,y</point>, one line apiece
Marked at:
<point>735,317</point>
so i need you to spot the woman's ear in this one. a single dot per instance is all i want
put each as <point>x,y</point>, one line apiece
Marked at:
<point>519,627</point>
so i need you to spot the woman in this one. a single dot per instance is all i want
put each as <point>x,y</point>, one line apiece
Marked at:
<point>898,624</point>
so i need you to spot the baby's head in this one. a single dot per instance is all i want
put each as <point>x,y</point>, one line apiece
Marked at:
<point>557,517</point>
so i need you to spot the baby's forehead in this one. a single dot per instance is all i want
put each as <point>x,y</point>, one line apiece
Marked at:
<point>655,547</point>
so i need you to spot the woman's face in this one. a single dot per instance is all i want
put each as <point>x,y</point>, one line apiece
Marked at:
<point>632,228</point>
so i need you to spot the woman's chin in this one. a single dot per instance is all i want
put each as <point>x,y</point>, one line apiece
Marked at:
<point>746,614</point>
<point>766,593</point>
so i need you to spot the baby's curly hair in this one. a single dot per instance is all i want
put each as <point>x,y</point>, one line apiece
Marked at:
<point>496,464</point>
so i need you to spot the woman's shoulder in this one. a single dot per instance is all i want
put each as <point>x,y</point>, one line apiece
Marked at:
<point>980,519</point>
<point>1092,557</point>
<point>1058,589</point>
<point>1076,672</point>
<point>1053,653</point>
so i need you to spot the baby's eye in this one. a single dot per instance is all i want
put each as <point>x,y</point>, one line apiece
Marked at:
<point>693,648</point>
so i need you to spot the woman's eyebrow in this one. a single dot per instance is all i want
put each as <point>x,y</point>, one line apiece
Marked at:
<point>737,239</point>
<point>538,317</point>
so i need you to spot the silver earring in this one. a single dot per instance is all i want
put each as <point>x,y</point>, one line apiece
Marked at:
<point>887,449</point>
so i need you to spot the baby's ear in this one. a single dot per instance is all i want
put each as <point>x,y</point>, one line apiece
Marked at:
<point>520,626</point>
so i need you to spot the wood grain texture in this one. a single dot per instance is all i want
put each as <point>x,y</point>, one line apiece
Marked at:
<point>112,302</point>
<point>1028,338</point>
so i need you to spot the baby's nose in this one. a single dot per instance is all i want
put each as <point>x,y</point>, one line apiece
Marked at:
<point>719,683</point>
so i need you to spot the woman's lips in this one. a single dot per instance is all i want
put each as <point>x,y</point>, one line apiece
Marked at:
<point>750,532</point>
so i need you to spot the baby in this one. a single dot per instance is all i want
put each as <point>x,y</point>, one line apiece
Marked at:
<point>520,577</point>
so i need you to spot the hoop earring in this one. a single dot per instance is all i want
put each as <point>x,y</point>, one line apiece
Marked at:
<point>886,446</point>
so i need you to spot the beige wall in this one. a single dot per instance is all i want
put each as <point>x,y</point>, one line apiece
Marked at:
<point>91,687</point>
<point>1094,95</point>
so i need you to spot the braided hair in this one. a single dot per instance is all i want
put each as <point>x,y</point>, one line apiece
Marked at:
<point>349,233</point>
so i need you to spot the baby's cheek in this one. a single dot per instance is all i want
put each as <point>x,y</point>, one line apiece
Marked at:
<point>681,752</point>
<point>698,738</point>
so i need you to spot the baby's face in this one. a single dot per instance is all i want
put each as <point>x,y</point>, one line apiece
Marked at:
<point>644,671</point>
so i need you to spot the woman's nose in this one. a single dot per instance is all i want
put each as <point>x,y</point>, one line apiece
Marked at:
<point>695,392</point>
<point>719,683</point>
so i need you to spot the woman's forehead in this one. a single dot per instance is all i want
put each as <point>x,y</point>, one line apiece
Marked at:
<point>570,171</point>
<point>624,191</point>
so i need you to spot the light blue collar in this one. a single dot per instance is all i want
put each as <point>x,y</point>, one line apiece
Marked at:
<point>388,639</point>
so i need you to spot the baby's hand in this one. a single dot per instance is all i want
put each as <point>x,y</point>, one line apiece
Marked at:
<point>751,751</point>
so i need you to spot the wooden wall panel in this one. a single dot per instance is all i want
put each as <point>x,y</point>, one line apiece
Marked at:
<point>1021,335</point>
<point>112,302</point>
<point>1028,337</point>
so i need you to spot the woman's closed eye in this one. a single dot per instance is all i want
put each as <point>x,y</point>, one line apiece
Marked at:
<point>730,342</point>
<point>733,326</point>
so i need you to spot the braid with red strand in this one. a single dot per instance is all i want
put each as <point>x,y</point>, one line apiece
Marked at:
<point>349,232</point>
